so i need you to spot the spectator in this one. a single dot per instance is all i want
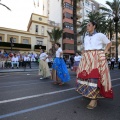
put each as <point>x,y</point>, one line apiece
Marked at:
<point>27,60</point>
<point>119,63</point>
<point>14,61</point>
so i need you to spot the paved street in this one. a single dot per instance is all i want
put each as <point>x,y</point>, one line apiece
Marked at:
<point>23,96</point>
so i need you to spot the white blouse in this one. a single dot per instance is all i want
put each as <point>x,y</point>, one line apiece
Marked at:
<point>77,58</point>
<point>43,56</point>
<point>96,41</point>
<point>58,52</point>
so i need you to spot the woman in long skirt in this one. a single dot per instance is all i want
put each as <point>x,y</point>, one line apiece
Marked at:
<point>44,70</point>
<point>60,72</point>
<point>93,78</point>
<point>77,59</point>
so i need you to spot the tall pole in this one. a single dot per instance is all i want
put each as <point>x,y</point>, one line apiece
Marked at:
<point>11,41</point>
<point>116,30</point>
<point>74,24</point>
<point>116,19</point>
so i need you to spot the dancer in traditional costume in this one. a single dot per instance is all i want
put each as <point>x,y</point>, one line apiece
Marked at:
<point>60,72</point>
<point>93,78</point>
<point>44,70</point>
<point>77,59</point>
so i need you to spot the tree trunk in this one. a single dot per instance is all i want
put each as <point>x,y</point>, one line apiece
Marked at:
<point>74,24</point>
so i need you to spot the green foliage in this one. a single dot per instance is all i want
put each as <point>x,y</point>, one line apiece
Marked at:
<point>55,35</point>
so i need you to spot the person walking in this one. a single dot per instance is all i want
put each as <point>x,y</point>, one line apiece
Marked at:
<point>44,70</point>
<point>112,63</point>
<point>60,72</point>
<point>77,59</point>
<point>93,77</point>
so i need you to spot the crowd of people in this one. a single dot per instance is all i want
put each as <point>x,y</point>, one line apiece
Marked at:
<point>10,59</point>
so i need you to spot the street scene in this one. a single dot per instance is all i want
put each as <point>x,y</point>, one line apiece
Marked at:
<point>60,60</point>
<point>23,96</point>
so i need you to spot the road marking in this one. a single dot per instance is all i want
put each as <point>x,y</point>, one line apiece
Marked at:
<point>38,107</point>
<point>42,106</point>
<point>34,96</point>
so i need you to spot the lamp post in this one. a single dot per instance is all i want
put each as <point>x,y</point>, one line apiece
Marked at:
<point>116,19</point>
<point>11,41</point>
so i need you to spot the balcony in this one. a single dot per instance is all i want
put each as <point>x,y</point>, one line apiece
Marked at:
<point>68,20</point>
<point>18,46</point>
<point>68,30</point>
<point>52,23</point>
<point>68,51</point>
<point>68,41</point>
<point>67,10</point>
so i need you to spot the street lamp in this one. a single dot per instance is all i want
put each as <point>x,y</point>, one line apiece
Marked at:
<point>11,41</point>
<point>116,19</point>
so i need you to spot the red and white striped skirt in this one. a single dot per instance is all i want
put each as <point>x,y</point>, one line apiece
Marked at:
<point>93,78</point>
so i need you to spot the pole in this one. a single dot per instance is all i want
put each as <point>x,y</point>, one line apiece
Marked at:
<point>116,30</point>
<point>74,24</point>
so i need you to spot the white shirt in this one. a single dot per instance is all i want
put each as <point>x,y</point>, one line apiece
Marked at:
<point>58,52</point>
<point>26,58</point>
<point>119,60</point>
<point>96,41</point>
<point>77,58</point>
<point>43,56</point>
<point>14,59</point>
<point>113,59</point>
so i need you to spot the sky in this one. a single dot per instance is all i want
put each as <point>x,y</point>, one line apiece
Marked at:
<point>20,13</point>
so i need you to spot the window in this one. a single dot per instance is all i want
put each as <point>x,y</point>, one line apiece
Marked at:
<point>25,41</point>
<point>0,38</point>
<point>94,7</point>
<point>36,28</point>
<point>68,15</point>
<point>68,47</point>
<point>42,30</point>
<point>68,25</point>
<point>87,12</point>
<point>39,41</point>
<point>68,36</point>
<point>14,40</point>
<point>67,5</point>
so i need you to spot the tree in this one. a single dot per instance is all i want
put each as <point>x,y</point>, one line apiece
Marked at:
<point>97,17</point>
<point>5,6</point>
<point>55,35</point>
<point>114,13</point>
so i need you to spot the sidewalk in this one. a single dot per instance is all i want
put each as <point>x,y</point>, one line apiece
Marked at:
<point>18,70</point>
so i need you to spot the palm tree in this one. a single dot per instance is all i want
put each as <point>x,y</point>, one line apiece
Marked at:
<point>55,35</point>
<point>94,16</point>
<point>5,6</point>
<point>114,13</point>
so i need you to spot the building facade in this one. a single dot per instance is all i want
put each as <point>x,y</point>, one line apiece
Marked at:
<point>31,40</point>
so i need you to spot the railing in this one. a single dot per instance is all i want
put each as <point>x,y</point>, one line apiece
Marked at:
<point>16,45</point>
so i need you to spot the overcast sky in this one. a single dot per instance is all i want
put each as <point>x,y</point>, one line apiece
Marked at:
<point>19,17</point>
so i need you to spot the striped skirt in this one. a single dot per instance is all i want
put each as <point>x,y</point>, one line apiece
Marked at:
<point>93,78</point>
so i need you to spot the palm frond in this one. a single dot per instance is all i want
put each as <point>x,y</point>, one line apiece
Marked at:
<point>5,6</point>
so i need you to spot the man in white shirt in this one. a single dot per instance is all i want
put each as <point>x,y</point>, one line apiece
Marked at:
<point>119,63</point>
<point>14,61</point>
<point>112,63</point>
<point>27,60</point>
